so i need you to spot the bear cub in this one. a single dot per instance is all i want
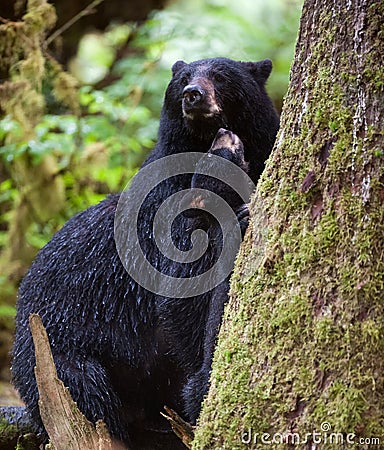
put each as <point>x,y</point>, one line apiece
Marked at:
<point>226,145</point>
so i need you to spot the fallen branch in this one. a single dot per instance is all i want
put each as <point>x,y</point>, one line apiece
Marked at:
<point>67,427</point>
<point>181,428</point>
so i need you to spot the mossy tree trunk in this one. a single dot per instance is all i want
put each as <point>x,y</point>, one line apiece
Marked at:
<point>301,350</point>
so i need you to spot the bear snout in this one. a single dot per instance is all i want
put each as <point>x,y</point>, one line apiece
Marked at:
<point>193,94</point>
<point>198,99</point>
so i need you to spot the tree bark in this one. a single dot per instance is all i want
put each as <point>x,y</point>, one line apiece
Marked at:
<point>66,426</point>
<point>300,353</point>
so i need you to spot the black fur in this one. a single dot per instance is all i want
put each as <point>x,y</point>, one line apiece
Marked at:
<point>123,351</point>
<point>228,146</point>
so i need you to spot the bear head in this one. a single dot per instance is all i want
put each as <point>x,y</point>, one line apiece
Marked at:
<point>206,95</point>
<point>228,146</point>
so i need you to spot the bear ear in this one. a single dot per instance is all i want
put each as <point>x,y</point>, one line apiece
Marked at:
<point>260,70</point>
<point>177,67</point>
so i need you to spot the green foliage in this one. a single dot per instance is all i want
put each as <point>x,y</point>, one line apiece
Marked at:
<point>7,311</point>
<point>240,30</point>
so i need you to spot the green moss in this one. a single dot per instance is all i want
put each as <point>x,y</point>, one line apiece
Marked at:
<point>8,430</point>
<point>40,16</point>
<point>28,442</point>
<point>344,406</point>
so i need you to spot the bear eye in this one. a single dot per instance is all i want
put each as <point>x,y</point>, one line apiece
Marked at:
<point>219,77</point>
<point>185,78</point>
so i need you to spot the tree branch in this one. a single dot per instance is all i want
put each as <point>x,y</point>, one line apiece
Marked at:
<point>85,12</point>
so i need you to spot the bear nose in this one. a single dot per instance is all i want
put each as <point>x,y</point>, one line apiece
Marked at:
<point>193,94</point>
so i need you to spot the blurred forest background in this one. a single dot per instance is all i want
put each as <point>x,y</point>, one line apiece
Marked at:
<point>81,87</point>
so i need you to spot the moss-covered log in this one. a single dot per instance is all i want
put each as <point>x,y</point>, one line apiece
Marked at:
<point>300,354</point>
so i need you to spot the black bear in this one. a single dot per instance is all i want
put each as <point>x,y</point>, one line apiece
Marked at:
<point>123,350</point>
<point>226,145</point>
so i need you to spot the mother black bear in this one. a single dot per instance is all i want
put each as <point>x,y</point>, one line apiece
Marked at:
<point>123,351</point>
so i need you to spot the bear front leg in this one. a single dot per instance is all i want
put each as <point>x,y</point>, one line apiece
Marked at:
<point>197,384</point>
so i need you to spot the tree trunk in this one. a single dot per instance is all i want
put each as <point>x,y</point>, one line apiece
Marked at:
<point>300,358</point>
